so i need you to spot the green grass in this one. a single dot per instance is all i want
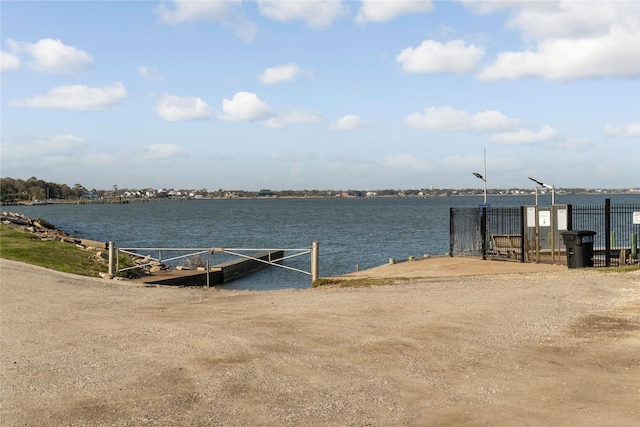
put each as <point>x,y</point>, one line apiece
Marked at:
<point>357,283</point>
<point>619,269</point>
<point>25,247</point>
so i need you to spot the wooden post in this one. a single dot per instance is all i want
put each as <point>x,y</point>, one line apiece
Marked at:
<point>111,258</point>
<point>315,258</point>
<point>208,272</point>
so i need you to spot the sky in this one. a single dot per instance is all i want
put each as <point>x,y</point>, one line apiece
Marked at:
<point>325,95</point>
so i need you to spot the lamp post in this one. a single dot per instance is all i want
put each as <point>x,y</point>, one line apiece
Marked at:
<point>541,184</point>
<point>484,208</point>
<point>483,178</point>
<point>551,217</point>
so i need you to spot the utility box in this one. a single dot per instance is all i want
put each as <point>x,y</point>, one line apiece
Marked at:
<point>579,245</point>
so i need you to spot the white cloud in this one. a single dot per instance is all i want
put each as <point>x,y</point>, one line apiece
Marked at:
<point>246,30</point>
<point>573,143</point>
<point>175,108</point>
<point>9,61</point>
<point>75,98</point>
<point>404,162</point>
<point>53,56</point>
<point>279,74</point>
<point>435,57</point>
<point>228,13</point>
<point>630,129</point>
<point>348,122</point>
<point>572,40</point>
<point>484,7</point>
<point>292,118</point>
<point>182,11</point>
<point>150,73</point>
<point>384,11</point>
<point>572,19</point>
<point>317,14</point>
<point>283,156</point>
<point>450,119</point>
<point>244,107</point>
<point>49,149</point>
<point>524,136</point>
<point>161,152</point>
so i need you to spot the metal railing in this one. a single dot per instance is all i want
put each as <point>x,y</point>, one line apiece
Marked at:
<point>149,260</point>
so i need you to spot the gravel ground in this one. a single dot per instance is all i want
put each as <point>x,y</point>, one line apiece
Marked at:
<point>528,349</point>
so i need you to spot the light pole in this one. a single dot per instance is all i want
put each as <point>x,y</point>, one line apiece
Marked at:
<point>483,178</point>
<point>541,184</point>
<point>551,218</point>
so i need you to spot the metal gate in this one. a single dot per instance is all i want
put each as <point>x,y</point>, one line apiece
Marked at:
<point>543,227</point>
<point>487,231</point>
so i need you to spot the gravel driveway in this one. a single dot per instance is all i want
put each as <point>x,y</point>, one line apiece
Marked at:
<point>550,348</point>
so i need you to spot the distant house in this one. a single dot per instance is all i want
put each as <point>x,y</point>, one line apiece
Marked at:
<point>90,196</point>
<point>265,193</point>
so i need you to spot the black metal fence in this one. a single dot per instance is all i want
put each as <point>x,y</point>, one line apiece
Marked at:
<point>465,234</point>
<point>497,233</point>
<point>489,232</point>
<point>616,241</point>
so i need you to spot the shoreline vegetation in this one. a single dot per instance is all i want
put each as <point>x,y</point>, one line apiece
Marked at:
<point>49,252</point>
<point>37,242</point>
<point>38,192</point>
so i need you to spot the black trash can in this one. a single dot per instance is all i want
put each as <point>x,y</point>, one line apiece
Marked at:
<point>579,245</point>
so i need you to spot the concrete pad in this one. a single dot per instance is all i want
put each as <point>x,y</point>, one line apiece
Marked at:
<point>446,266</point>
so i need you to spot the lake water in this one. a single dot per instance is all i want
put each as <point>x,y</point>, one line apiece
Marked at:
<point>365,232</point>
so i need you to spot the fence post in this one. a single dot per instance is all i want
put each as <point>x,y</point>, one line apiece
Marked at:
<point>483,231</point>
<point>451,231</point>
<point>607,232</point>
<point>522,233</point>
<point>111,258</point>
<point>315,258</point>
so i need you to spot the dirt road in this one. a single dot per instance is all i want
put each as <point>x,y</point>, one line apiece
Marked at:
<point>550,348</point>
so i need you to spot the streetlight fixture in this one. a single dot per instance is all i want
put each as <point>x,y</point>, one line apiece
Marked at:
<point>483,178</point>
<point>551,213</point>
<point>542,184</point>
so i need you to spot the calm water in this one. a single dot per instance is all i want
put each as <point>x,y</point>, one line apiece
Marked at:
<point>350,231</point>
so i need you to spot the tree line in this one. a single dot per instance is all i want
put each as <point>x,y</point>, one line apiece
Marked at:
<point>15,190</point>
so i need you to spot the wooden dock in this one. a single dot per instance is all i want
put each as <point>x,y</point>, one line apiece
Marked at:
<point>218,274</point>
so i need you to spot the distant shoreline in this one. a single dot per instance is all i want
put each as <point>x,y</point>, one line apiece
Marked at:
<point>275,197</point>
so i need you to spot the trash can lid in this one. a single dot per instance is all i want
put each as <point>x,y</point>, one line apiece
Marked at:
<point>578,233</point>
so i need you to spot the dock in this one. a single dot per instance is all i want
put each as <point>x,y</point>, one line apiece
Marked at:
<point>218,274</point>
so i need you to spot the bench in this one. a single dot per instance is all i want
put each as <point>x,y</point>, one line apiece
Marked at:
<point>507,245</point>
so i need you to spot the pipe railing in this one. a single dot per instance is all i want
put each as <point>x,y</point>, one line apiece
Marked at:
<point>314,252</point>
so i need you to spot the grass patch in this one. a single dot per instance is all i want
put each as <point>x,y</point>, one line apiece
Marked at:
<point>358,283</point>
<point>619,269</point>
<point>25,247</point>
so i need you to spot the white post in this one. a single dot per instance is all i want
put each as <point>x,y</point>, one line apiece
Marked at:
<point>315,259</point>
<point>111,258</point>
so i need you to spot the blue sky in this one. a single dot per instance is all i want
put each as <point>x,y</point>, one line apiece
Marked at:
<point>321,94</point>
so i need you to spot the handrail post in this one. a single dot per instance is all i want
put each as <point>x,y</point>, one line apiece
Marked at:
<point>315,258</point>
<point>111,258</point>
